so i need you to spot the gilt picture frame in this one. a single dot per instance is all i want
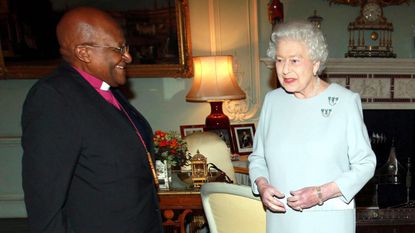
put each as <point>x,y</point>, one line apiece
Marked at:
<point>158,37</point>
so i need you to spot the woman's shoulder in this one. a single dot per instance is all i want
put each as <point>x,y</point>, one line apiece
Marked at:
<point>342,95</point>
<point>278,92</point>
<point>274,97</point>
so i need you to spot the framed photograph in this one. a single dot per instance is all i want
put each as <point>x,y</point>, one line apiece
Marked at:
<point>243,137</point>
<point>226,136</point>
<point>189,129</point>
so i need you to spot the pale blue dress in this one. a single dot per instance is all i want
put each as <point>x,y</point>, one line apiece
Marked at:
<point>308,142</point>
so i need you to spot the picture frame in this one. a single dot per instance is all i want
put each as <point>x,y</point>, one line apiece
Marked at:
<point>226,136</point>
<point>189,129</point>
<point>243,137</point>
<point>162,32</point>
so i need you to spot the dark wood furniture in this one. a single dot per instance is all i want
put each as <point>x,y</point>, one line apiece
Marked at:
<point>180,208</point>
<point>393,220</point>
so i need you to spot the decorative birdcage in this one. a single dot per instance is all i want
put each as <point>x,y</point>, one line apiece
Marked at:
<point>199,169</point>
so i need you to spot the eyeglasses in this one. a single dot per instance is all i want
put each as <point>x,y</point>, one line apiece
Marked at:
<point>121,50</point>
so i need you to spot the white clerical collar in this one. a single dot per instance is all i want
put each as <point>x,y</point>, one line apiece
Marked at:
<point>104,86</point>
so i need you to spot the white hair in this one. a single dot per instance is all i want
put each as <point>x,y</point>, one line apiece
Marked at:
<point>304,32</point>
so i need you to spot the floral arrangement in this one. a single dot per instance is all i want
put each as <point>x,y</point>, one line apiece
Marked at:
<point>171,147</point>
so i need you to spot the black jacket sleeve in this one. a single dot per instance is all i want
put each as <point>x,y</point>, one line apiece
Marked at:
<point>51,145</point>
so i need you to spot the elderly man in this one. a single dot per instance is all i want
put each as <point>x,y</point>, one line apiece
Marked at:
<point>87,165</point>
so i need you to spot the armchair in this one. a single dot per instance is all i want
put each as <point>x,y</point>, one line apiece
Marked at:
<point>214,148</point>
<point>232,208</point>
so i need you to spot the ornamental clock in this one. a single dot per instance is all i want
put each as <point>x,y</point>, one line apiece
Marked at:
<point>372,11</point>
<point>370,34</point>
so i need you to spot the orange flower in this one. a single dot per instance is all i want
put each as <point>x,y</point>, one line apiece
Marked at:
<point>169,146</point>
<point>163,143</point>
<point>173,143</point>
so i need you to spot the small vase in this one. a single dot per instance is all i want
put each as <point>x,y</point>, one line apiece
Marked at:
<point>164,174</point>
<point>169,173</point>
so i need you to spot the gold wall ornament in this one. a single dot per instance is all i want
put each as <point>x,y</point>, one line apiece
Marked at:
<point>315,20</point>
<point>374,35</point>
<point>370,34</point>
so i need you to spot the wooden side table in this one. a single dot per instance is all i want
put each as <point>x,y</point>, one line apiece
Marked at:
<point>182,204</point>
<point>180,207</point>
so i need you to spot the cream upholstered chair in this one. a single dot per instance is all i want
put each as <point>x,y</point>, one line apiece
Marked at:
<point>231,208</point>
<point>214,148</point>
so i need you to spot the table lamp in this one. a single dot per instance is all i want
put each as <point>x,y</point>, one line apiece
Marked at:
<point>214,82</point>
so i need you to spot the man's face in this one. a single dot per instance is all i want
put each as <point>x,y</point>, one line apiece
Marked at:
<point>109,56</point>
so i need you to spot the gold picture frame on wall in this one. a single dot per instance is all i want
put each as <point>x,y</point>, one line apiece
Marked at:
<point>159,40</point>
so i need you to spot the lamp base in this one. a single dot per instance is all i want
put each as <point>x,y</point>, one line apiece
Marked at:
<point>218,122</point>
<point>216,119</point>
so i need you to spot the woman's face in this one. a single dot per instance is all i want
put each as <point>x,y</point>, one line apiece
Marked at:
<point>295,69</point>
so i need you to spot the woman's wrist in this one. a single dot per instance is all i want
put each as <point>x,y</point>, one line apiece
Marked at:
<point>319,195</point>
<point>260,181</point>
<point>327,191</point>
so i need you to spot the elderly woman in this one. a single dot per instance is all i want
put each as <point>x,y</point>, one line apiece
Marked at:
<point>311,150</point>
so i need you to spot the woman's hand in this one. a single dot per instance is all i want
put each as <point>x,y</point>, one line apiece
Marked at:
<point>270,195</point>
<point>305,198</point>
<point>310,196</point>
